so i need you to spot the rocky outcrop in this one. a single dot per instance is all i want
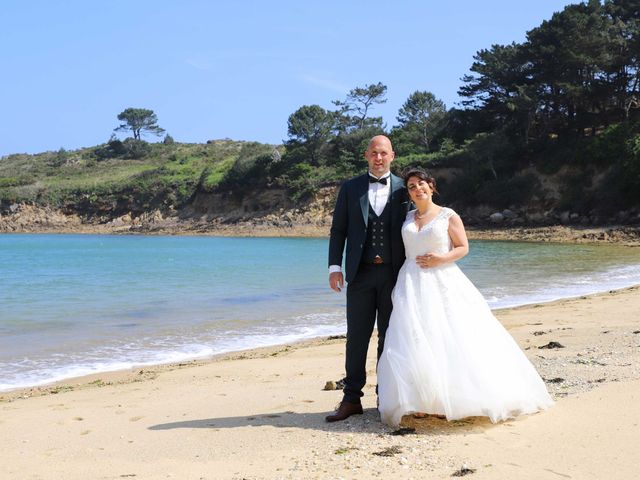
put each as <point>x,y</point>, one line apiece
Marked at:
<point>621,235</point>
<point>268,207</point>
<point>273,213</point>
<point>480,216</point>
<point>25,218</point>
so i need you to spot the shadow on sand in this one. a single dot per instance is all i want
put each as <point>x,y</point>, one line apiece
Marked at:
<point>369,422</point>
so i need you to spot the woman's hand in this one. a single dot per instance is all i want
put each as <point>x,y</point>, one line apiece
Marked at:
<point>430,260</point>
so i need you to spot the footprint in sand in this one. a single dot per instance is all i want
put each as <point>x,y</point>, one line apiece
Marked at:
<point>134,419</point>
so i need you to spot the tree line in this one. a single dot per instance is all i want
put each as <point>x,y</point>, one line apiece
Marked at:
<point>576,73</point>
<point>579,70</point>
<point>568,97</point>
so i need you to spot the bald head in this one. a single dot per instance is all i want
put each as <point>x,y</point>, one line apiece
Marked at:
<point>379,155</point>
<point>380,140</point>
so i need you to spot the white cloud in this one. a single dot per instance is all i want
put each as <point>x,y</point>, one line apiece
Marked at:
<point>325,83</point>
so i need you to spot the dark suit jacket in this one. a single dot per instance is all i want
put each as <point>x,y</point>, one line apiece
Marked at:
<point>350,223</point>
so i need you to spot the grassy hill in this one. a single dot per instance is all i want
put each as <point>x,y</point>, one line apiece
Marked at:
<point>84,181</point>
<point>588,180</point>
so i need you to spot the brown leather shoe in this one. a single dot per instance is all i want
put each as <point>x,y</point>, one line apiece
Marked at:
<point>345,410</point>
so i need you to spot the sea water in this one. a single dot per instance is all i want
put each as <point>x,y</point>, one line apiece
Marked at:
<point>72,305</point>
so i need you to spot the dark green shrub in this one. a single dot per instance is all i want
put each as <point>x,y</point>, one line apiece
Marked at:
<point>15,181</point>
<point>504,192</point>
<point>135,149</point>
<point>479,186</point>
<point>114,148</point>
<point>608,147</point>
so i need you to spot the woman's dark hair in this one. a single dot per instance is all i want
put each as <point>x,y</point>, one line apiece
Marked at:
<point>418,172</point>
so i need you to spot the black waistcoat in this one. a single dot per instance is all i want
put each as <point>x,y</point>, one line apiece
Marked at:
<point>378,236</point>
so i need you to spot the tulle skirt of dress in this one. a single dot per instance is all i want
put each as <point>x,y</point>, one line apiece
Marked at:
<point>445,353</point>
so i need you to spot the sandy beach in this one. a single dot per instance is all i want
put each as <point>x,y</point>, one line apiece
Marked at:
<point>260,414</point>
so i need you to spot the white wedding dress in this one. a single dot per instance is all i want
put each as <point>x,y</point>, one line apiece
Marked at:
<point>445,353</point>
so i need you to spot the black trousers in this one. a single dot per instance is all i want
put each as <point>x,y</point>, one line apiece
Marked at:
<point>368,298</point>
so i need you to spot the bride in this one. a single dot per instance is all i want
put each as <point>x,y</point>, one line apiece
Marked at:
<point>445,354</point>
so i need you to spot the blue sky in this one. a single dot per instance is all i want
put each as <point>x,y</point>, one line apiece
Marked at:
<point>236,69</point>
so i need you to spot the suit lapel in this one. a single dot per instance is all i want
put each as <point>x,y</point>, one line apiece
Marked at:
<point>395,184</point>
<point>363,193</point>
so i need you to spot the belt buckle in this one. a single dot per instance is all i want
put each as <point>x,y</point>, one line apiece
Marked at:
<point>378,260</point>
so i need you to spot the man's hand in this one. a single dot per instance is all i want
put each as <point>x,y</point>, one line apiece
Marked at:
<point>336,281</point>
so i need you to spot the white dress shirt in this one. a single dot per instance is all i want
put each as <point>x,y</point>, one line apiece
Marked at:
<point>379,194</point>
<point>378,197</point>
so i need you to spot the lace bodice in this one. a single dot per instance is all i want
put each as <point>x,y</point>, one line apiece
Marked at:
<point>432,237</point>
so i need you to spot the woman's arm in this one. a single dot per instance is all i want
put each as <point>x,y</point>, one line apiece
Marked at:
<point>458,239</point>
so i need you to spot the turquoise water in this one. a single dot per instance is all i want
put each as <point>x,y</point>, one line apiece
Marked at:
<point>77,304</point>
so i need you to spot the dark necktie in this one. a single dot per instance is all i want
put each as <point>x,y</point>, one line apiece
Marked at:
<point>378,180</point>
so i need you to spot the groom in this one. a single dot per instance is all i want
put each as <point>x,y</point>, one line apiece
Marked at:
<point>368,216</point>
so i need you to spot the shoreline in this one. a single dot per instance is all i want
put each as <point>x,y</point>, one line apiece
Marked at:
<point>31,219</point>
<point>81,381</point>
<point>260,413</point>
<point>127,375</point>
<point>605,235</point>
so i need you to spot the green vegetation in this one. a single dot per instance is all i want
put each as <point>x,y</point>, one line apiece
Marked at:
<point>90,182</point>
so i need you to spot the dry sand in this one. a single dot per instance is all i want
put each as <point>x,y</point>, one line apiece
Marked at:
<point>260,414</point>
